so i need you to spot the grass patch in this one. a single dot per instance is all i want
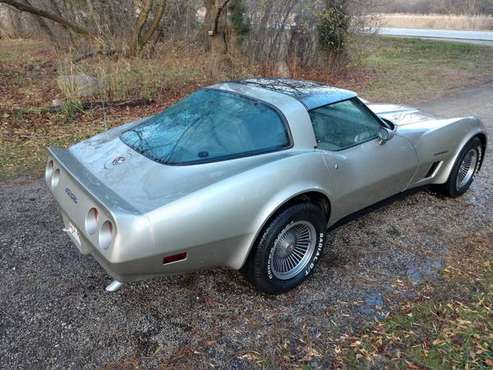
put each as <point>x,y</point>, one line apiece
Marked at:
<point>413,70</point>
<point>23,51</point>
<point>439,335</point>
<point>131,78</point>
<point>23,148</point>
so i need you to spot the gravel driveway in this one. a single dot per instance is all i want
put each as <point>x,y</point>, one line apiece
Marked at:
<point>54,312</point>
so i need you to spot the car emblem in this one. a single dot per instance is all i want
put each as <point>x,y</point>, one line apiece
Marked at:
<point>118,160</point>
<point>71,195</point>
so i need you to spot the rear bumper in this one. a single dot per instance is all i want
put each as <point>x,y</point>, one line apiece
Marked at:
<point>135,253</point>
<point>77,191</point>
<point>132,270</point>
<point>86,248</point>
<point>198,258</point>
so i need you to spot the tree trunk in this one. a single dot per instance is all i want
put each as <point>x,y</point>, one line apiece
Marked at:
<point>140,39</point>
<point>139,25</point>
<point>217,24</point>
<point>155,23</point>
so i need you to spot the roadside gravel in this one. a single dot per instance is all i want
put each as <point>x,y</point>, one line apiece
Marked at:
<point>54,312</point>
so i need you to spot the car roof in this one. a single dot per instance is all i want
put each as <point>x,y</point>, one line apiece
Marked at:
<point>311,94</point>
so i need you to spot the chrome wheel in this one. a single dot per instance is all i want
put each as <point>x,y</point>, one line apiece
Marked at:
<point>467,168</point>
<point>293,249</point>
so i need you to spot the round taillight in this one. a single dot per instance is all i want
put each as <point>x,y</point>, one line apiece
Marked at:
<point>55,178</point>
<point>92,221</point>
<point>49,171</point>
<point>106,235</point>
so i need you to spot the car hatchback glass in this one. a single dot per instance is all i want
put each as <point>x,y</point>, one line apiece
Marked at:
<point>207,126</point>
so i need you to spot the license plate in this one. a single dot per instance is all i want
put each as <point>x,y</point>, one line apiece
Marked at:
<point>73,232</point>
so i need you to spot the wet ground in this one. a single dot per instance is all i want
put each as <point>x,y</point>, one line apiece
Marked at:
<point>54,312</point>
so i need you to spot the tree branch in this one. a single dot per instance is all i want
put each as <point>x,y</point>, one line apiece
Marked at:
<point>42,13</point>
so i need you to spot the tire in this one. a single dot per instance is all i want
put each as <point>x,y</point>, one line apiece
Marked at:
<point>465,168</point>
<point>298,233</point>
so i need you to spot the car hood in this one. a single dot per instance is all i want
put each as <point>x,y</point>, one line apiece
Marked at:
<point>400,115</point>
<point>145,184</point>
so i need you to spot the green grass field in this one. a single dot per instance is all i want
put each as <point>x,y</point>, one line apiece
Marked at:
<point>413,71</point>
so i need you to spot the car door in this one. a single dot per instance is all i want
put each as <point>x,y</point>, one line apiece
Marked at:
<point>361,169</point>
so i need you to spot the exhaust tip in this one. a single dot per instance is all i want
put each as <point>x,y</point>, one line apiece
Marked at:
<point>114,286</point>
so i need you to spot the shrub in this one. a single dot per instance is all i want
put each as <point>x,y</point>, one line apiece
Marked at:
<point>332,28</point>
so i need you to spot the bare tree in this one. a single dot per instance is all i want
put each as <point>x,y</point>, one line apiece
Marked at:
<point>216,24</point>
<point>26,7</point>
<point>96,20</point>
<point>139,37</point>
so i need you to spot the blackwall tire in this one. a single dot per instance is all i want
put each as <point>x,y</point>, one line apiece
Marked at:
<point>288,249</point>
<point>464,170</point>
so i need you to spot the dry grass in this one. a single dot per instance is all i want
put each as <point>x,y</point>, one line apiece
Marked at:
<point>412,71</point>
<point>172,70</point>
<point>389,70</point>
<point>438,21</point>
<point>123,78</point>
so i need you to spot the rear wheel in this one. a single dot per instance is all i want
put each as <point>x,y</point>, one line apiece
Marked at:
<point>465,167</point>
<point>288,249</point>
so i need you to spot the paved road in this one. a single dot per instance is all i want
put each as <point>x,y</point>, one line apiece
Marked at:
<point>54,312</point>
<point>480,37</point>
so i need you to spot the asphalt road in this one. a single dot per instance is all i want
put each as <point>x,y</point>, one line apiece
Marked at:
<point>477,37</point>
<point>54,312</point>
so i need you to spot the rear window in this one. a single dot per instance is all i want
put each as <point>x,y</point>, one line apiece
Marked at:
<point>209,125</point>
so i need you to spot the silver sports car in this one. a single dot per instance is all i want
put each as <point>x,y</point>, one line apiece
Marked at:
<point>249,175</point>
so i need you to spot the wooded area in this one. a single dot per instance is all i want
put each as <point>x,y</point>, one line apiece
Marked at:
<point>111,48</point>
<point>257,30</point>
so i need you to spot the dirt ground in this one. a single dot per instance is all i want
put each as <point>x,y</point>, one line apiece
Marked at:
<point>54,312</point>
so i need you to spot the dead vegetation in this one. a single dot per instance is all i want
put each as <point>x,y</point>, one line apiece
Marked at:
<point>449,327</point>
<point>31,71</point>
<point>437,21</point>
<point>469,7</point>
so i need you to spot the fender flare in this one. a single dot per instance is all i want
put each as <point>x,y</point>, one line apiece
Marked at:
<point>446,169</point>
<point>265,215</point>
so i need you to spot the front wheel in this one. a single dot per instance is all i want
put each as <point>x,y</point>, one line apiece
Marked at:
<point>466,166</point>
<point>288,249</point>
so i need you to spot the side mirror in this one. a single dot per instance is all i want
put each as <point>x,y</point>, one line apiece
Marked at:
<point>384,135</point>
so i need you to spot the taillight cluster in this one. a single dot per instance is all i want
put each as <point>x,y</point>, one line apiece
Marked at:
<point>92,219</point>
<point>52,175</point>
<point>106,230</point>
<point>105,237</point>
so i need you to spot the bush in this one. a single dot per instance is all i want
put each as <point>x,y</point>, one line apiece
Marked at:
<point>332,29</point>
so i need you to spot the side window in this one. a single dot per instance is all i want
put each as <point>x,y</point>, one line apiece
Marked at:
<point>342,125</point>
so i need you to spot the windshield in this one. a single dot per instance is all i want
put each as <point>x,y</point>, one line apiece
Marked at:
<point>206,126</point>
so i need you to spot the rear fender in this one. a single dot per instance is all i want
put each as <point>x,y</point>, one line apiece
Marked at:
<point>268,211</point>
